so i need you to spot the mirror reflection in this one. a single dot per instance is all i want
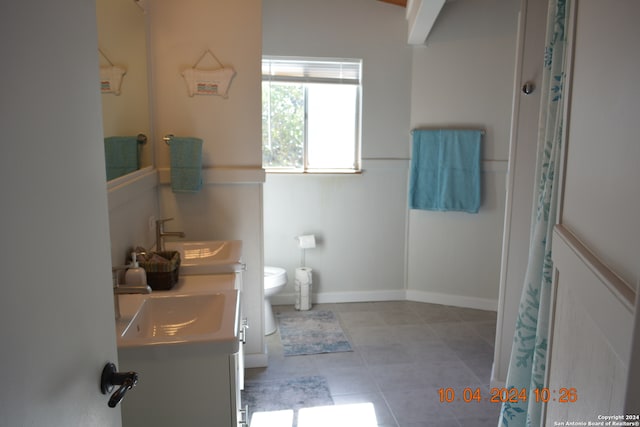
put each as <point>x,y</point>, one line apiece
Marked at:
<point>122,44</point>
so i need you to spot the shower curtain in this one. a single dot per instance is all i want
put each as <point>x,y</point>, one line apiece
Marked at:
<point>529,351</point>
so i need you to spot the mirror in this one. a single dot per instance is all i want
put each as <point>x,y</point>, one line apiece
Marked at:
<point>122,44</point>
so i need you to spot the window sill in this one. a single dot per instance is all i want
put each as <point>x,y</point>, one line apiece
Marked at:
<point>314,172</point>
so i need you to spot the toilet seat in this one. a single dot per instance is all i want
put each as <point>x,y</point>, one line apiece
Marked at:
<point>274,277</point>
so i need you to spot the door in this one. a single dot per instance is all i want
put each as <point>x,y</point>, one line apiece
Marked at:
<point>522,162</point>
<point>56,304</point>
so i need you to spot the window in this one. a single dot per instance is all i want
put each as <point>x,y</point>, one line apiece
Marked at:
<point>310,114</point>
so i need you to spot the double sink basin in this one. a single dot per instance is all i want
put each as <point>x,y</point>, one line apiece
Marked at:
<point>208,257</point>
<point>200,309</point>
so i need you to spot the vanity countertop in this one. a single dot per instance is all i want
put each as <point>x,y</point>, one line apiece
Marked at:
<point>187,285</point>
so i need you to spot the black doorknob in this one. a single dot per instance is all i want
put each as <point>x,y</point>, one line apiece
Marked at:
<point>111,377</point>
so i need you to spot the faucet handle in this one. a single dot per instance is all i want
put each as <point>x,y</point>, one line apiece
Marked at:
<point>160,227</point>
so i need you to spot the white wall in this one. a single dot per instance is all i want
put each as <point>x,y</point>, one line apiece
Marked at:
<point>133,200</point>
<point>359,219</point>
<point>463,77</point>
<point>602,197</point>
<point>181,31</point>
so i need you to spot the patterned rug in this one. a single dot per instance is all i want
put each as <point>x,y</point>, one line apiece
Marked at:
<point>311,332</point>
<point>273,400</point>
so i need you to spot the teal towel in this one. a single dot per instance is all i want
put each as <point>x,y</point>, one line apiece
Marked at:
<point>445,170</point>
<point>186,164</point>
<point>121,155</point>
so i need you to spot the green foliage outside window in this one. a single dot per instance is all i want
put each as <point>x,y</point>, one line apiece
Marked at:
<point>283,109</point>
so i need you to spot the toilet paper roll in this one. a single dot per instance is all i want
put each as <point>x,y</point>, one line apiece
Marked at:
<point>304,291</point>
<point>307,242</point>
<point>305,302</point>
<point>303,275</point>
<point>303,296</point>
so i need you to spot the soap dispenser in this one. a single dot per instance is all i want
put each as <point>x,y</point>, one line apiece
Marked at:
<point>135,275</point>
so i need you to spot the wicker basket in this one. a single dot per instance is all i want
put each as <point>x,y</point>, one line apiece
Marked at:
<point>163,276</point>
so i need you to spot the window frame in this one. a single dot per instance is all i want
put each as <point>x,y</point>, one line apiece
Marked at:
<point>339,71</point>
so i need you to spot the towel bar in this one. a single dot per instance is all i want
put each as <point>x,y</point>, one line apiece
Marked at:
<point>482,131</point>
<point>167,138</point>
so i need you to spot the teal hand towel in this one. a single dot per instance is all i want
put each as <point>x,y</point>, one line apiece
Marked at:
<point>186,164</point>
<point>445,170</point>
<point>121,155</point>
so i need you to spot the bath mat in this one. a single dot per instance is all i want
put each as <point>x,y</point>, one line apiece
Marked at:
<point>290,394</point>
<point>311,332</point>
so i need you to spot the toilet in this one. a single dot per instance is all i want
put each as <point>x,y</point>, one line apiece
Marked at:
<point>275,279</point>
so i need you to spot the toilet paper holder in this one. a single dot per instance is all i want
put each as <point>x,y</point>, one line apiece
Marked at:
<point>307,241</point>
<point>303,274</point>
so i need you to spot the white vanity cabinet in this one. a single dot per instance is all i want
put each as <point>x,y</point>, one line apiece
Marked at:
<point>186,386</point>
<point>192,383</point>
<point>206,283</point>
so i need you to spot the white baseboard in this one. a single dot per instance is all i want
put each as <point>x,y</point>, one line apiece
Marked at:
<point>454,300</point>
<point>338,297</point>
<point>392,295</point>
<point>361,296</point>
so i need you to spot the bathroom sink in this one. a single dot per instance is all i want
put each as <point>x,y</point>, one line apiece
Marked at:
<point>179,319</point>
<point>208,257</point>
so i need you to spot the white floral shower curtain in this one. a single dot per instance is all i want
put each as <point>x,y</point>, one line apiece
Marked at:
<point>529,351</point>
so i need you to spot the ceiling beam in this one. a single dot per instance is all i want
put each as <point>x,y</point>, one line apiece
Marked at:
<point>421,15</point>
<point>402,3</point>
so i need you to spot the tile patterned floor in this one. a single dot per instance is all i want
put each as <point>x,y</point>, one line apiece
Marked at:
<point>403,353</point>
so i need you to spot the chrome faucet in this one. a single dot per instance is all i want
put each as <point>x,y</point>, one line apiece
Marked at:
<point>122,289</point>
<point>160,233</point>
